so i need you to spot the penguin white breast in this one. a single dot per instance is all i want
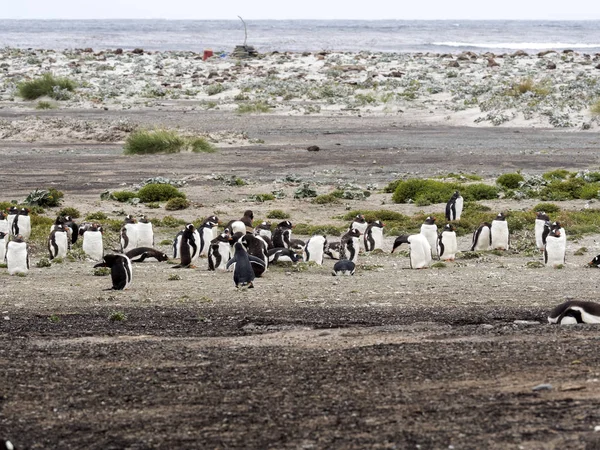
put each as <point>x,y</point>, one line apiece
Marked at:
<point>16,257</point>
<point>4,227</point>
<point>377,235</point>
<point>314,249</point>
<point>430,233</point>
<point>145,235</point>
<point>62,242</point>
<point>92,245</point>
<point>458,206</point>
<point>539,230</point>
<point>555,249</point>
<point>238,227</point>
<point>500,234</point>
<point>483,242</point>
<point>362,227</point>
<point>420,251</point>
<point>450,244</point>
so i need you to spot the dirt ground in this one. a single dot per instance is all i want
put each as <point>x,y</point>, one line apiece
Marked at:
<point>390,358</point>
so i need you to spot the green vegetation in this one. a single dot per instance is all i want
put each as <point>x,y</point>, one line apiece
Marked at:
<point>174,277</point>
<point>277,214</point>
<point>45,105</point>
<point>559,174</point>
<point>528,85</point>
<point>326,199</point>
<point>70,211</point>
<point>54,318</point>
<point>261,198</point>
<point>124,196</point>
<point>168,222</point>
<point>327,230</point>
<point>254,107</point>
<point>510,180</point>
<point>548,208</point>
<point>425,191</point>
<point>142,142</point>
<point>44,197</point>
<point>102,271</point>
<point>215,89</point>
<point>117,316</point>
<point>201,145</point>
<point>96,216</point>
<point>177,203</point>
<point>55,87</point>
<point>595,108</point>
<point>156,192</point>
<point>43,262</point>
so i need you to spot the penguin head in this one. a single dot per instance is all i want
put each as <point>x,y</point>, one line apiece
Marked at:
<point>359,218</point>
<point>213,219</point>
<point>449,227</point>
<point>130,219</point>
<point>500,216</point>
<point>248,213</point>
<point>595,262</point>
<point>13,210</point>
<point>541,215</point>
<point>3,234</point>
<point>455,195</point>
<point>430,220</point>
<point>378,223</point>
<point>354,232</point>
<point>285,224</point>
<point>18,238</point>
<point>24,212</point>
<point>143,219</point>
<point>403,239</point>
<point>190,227</point>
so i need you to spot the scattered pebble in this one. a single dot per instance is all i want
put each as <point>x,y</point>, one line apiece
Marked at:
<point>542,387</point>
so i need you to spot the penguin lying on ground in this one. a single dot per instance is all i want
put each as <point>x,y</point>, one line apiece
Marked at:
<point>575,311</point>
<point>121,272</point>
<point>146,252</point>
<point>243,273</point>
<point>283,255</point>
<point>333,250</point>
<point>420,250</point>
<point>343,267</point>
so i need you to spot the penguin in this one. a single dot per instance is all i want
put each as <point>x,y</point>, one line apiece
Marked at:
<point>218,251</point>
<point>350,245</point>
<point>315,249</point>
<point>243,273</point>
<point>243,225</point>
<point>13,211</point>
<point>343,267</point>
<point>17,256</point>
<point>555,247</point>
<point>3,245</point>
<point>92,245</point>
<point>373,236</point>
<point>333,250</point>
<point>283,255</point>
<point>145,252</point>
<point>420,250</point>
<point>297,245</point>
<point>359,223</point>
<point>540,221</point>
<point>430,231</point>
<point>454,207</point>
<point>187,246</point>
<point>481,238</point>
<point>121,271</point>
<point>283,234</point>
<point>4,228</point>
<point>213,219</point>
<point>68,221</point>
<point>206,234</point>
<point>145,233</point>
<point>447,243</point>
<point>59,241</point>
<point>59,225</point>
<point>575,311</point>
<point>264,230</point>
<point>500,236</point>
<point>129,234</point>
<point>22,224</point>
<point>256,247</point>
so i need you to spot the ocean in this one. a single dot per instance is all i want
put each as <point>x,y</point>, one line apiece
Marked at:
<point>394,36</point>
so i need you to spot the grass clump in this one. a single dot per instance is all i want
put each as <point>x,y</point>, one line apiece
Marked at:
<point>558,190</point>
<point>261,198</point>
<point>45,105</point>
<point>117,316</point>
<point>559,174</point>
<point>328,230</point>
<point>326,199</point>
<point>44,197</point>
<point>70,211</point>
<point>177,203</point>
<point>425,191</point>
<point>595,108</point>
<point>101,271</point>
<point>54,318</point>
<point>57,88</point>
<point>201,145</point>
<point>255,107</point>
<point>510,180</point>
<point>124,196</point>
<point>43,262</point>
<point>528,85</point>
<point>174,277</point>
<point>95,216</point>
<point>548,208</point>
<point>143,142</point>
<point>168,222</point>
<point>278,214</point>
<point>156,192</point>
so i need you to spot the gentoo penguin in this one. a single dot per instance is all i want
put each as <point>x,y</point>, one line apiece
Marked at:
<point>454,207</point>
<point>264,230</point>
<point>555,248</point>
<point>213,219</point>
<point>343,267</point>
<point>4,228</point>
<point>206,233</point>
<point>139,254</point>
<point>283,234</point>
<point>187,246</point>
<point>500,237</point>
<point>373,237</point>
<point>430,231</point>
<point>22,224</point>
<point>297,245</point>
<point>243,273</point>
<point>92,245</point>
<point>420,250</point>
<point>575,311</point>
<point>447,243</point>
<point>58,241</point>
<point>283,255</point>
<point>359,223</point>
<point>333,250</point>
<point>17,256</point>
<point>315,249</point>
<point>350,245</point>
<point>540,221</point>
<point>73,227</point>
<point>13,211</point>
<point>244,225</point>
<point>256,247</point>
<point>481,238</point>
<point>3,245</point>
<point>121,272</point>
<point>145,233</point>
<point>129,234</point>
<point>219,251</point>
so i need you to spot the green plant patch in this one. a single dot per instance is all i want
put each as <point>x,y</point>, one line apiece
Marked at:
<point>201,145</point>
<point>96,216</point>
<point>124,196</point>
<point>559,174</point>
<point>510,180</point>
<point>253,107</point>
<point>168,222</point>
<point>57,88</point>
<point>426,191</point>
<point>44,198</point>
<point>143,142</point>
<point>177,203</point>
<point>70,211</point>
<point>156,192</point>
<point>548,208</point>
<point>277,214</point>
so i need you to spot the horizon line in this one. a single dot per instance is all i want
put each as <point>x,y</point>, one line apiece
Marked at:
<point>307,19</point>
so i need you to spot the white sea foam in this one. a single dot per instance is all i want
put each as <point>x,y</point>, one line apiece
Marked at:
<point>517,45</point>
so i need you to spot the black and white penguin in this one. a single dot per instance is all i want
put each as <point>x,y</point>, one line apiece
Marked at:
<point>333,250</point>
<point>145,233</point>
<point>187,246</point>
<point>447,243</point>
<point>555,247</point>
<point>17,256</point>
<point>481,238</point>
<point>282,236</point>
<point>420,250</point>
<point>68,221</point>
<point>315,249</point>
<point>121,271</point>
<point>4,228</point>
<point>500,236</point>
<point>350,245</point>
<point>549,227</point>
<point>373,236</point>
<point>13,211</point>
<point>283,255</point>
<point>206,233</point>
<point>213,219</point>
<point>575,311</point>
<point>3,245</point>
<point>540,220</point>
<point>22,224</point>
<point>243,225</point>
<point>129,234</point>
<point>59,241</point>
<point>93,245</point>
<point>243,273</point>
<point>359,223</point>
<point>264,230</point>
<point>343,267</point>
<point>256,247</point>
<point>140,254</point>
<point>430,230</point>
<point>454,207</point>
<point>219,251</point>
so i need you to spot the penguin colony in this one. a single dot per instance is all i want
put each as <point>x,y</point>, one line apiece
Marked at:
<point>248,251</point>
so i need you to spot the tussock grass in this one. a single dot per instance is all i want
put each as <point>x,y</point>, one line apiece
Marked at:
<point>45,105</point>
<point>155,192</point>
<point>595,108</point>
<point>143,142</point>
<point>49,85</point>
<point>528,85</point>
<point>177,203</point>
<point>70,211</point>
<point>278,214</point>
<point>255,107</point>
<point>201,145</point>
<point>424,191</point>
<point>510,180</point>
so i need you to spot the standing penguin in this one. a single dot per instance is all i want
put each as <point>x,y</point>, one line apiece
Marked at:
<point>373,237</point>
<point>359,223</point>
<point>13,211</point>
<point>58,241</point>
<point>3,245</point>
<point>454,207</point>
<point>68,221</point>
<point>481,238</point>
<point>447,243</point>
<point>206,234</point>
<point>540,220</point>
<point>575,311</point>
<point>282,236</point>
<point>500,236</point>
<point>129,234</point>
<point>256,247</point>
<point>315,249</point>
<point>93,245</point>
<point>350,245</point>
<point>4,228</point>
<point>17,256</point>
<point>430,231</point>
<point>343,267</point>
<point>218,252</point>
<point>555,248</point>
<point>187,246</point>
<point>121,271</point>
<point>264,230</point>
<point>243,274</point>
<point>145,233</point>
<point>22,224</point>
<point>420,250</point>
<point>244,225</point>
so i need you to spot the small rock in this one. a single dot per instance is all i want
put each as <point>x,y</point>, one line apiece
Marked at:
<point>597,428</point>
<point>551,66</point>
<point>542,387</point>
<point>598,66</point>
<point>453,64</point>
<point>138,51</point>
<point>119,51</point>
<point>526,322</point>
<point>88,50</point>
<point>520,53</point>
<point>313,148</point>
<point>6,318</point>
<point>492,63</point>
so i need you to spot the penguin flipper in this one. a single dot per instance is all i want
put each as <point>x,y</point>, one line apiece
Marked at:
<point>254,259</point>
<point>229,263</point>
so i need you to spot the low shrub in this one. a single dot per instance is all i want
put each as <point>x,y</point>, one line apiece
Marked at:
<point>54,87</point>
<point>559,174</point>
<point>277,214</point>
<point>177,203</point>
<point>201,145</point>
<point>168,222</point>
<point>327,230</point>
<point>95,216</point>
<point>70,211</point>
<point>153,141</point>
<point>42,197</point>
<point>326,199</point>
<point>595,108</point>
<point>510,180</point>
<point>255,107</point>
<point>589,191</point>
<point>155,192</point>
<point>548,208</point>
<point>44,105</point>
<point>124,196</point>
<point>558,190</point>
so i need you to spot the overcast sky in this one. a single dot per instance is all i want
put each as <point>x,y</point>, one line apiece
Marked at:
<point>304,9</point>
